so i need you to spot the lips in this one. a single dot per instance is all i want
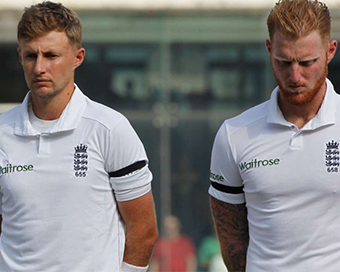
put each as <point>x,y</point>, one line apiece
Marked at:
<point>41,81</point>
<point>296,86</point>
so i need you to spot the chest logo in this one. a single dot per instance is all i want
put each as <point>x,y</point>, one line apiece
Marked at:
<point>80,161</point>
<point>255,163</point>
<point>332,158</point>
<point>9,168</point>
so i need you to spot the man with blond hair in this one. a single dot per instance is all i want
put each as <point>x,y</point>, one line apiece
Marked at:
<point>275,168</point>
<point>75,187</point>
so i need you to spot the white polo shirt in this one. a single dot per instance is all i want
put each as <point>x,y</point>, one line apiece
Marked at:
<point>290,182</point>
<point>58,200</point>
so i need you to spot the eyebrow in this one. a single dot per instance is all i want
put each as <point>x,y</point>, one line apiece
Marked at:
<point>290,60</point>
<point>30,51</point>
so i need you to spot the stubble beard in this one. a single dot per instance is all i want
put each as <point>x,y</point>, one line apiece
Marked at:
<point>305,97</point>
<point>47,93</point>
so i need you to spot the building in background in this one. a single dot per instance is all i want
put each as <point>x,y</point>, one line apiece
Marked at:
<point>176,69</point>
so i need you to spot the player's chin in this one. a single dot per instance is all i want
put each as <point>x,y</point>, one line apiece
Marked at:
<point>43,91</point>
<point>299,98</point>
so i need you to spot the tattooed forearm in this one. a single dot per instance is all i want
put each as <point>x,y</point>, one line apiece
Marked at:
<point>232,228</point>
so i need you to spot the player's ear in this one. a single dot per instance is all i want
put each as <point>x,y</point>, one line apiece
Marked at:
<point>79,57</point>
<point>268,45</point>
<point>332,46</point>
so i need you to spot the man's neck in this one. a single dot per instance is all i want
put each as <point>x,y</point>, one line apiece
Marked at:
<point>51,109</point>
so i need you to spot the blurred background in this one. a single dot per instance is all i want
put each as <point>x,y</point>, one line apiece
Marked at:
<point>176,69</point>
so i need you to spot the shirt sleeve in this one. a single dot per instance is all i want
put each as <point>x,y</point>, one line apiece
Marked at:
<point>128,169</point>
<point>226,182</point>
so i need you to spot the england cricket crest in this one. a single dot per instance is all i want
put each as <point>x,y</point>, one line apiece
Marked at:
<point>80,160</point>
<point>332,157</point>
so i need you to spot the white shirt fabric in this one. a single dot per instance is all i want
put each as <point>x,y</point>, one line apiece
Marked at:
<point>39,124</point>
<point>290,182</point>
<point>58,202</point>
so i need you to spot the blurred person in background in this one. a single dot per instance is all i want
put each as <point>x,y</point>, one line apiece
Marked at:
<point>208,249</point>
<point>75,187</point>
<point>174,252</point>
<point>275,168</point>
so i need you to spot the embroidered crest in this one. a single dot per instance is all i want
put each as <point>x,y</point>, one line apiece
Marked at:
<point>332,157</point>
<point>80,160</point>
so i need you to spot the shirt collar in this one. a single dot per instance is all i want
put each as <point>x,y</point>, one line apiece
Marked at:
<point>325,115</point>
<point>68,120</point>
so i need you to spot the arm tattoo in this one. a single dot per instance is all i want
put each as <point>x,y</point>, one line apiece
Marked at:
<point>232,228</point>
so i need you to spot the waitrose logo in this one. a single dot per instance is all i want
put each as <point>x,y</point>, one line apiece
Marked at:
<point>9,168</point>
<point>255,163</point>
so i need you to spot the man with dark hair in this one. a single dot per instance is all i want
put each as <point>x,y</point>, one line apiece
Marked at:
<point>75,187</point>
<point>274,190</point>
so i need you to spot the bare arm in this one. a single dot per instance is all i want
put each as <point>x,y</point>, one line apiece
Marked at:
<point>141,229</point>
<point>232,228</point>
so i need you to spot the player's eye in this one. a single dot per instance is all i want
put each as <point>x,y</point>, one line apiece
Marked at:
<point>30,56</point>
<point>307,63</point>
<point>285,63</point>
<point>51,56</point>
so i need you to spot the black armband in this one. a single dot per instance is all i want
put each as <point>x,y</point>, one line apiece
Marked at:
<point>127,170</point>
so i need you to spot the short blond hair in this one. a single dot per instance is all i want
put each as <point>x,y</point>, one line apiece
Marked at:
<point>298,18</point>
<point>47,16</point>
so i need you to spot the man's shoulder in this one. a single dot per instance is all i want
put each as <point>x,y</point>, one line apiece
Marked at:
<point>103,114</point>
<point>9,117</point>
<point>258,113</point>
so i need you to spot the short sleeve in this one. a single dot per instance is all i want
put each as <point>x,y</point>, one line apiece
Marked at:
<point>126,151</point>
<point>226,182</point>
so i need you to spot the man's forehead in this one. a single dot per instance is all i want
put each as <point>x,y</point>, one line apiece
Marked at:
<point>307,47</point>
<point>313,36</point>
<point>49,41</point>
<point>46,36</point>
